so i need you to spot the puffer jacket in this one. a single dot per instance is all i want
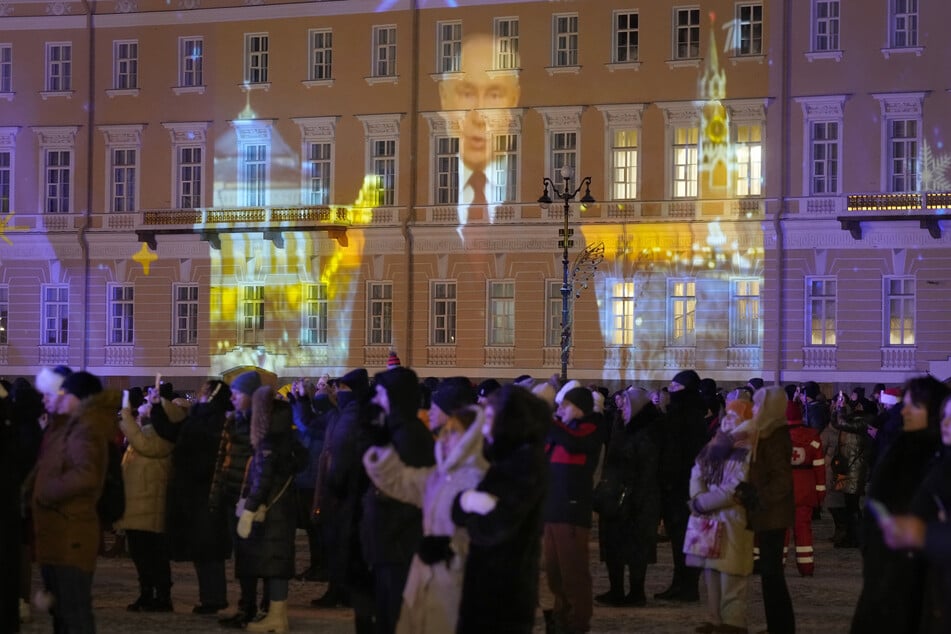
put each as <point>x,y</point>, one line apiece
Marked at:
<point>234,452</point>
<point>853,445</point>
<point>69,476</point>
<point>145,473</point>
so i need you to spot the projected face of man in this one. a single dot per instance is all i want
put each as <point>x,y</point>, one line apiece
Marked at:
<point>473,91</point>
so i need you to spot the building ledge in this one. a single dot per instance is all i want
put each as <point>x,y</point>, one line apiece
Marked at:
<point>813,56</point>
<point>314,83</point>
<point>122,92</point>
<point>853,224</point>
<point>184,90</point>
<point>382,79</point>
<point>563,70</point>
<point>7,95</point>
<point>263,85</point>
<point>903,50</point>
<point>742,59</point>
<point>635,66</point>
<point>55,94</point>
<point>692,62</point>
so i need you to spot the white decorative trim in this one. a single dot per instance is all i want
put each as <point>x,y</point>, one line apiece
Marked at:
<point>382,79</point>
<point>613,66</point>
<point>900,103</point>
<point>187,132</point>
<point>51,94</point>
<point>814,56</point>
<point>742,59</point>
<point>561,118</point>
<point>562,70</point>
<point>7,95</point>
<point>8,136</point>
<point>313,83</point>
<point>317,128</point>
<point>58,7</point>
<point>822,106</point>
<point>693,62</point>
<point>380,125</point>
<point>745,110</point>
<point>122,134</point>
<point>503,72</point>
<point>444,123</point>
<point>122,92</point>
<point>625,115</point>
<point>447,76</point>
<point>184,90</point>
<point>126,6</point>
<point>903,50</point>
<point>252,130</point>
<point>56,137</point>
<point>248,87</point>
<point>680,112</point>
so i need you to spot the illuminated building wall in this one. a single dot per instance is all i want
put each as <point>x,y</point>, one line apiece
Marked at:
<point>301,197</point>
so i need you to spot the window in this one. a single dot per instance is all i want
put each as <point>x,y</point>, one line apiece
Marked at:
<point>625,37</point>
<point>748,145</point>
<point>506,44</point>
<point>59,67</point>
<point>380,312</point>
<point>820,311</point>
<point>189,177</point>
<point>825,158</point>
<point>564,146</point>
<point>553,309</point>
<point>317,172</point>
<point>825,25</point>
<point>745,319</point>
<point>565,40</point>
<point>686,33</point>
<point>58,178</point>
<point>447,170</point>
<point>315,315</point>
<point>904,23</point>
<point>125,67</point>
<point>448,47</point>
<point>190,58</point>
<point>4,313</point>
<point>384,51</point>
<point>681,312</point>
<point>6,180</point>
<point>252,314</point>
<point>55,309</point>
<point>254,166</point>
<point>321,55</point>
<point>505,168</point>
<point>749,29</point>
<point>120,313</point>
<point>383,164</point>
<point>902,155</point>
<point>185,328</point>
<point>256,58</point>
<point>621,312</point>
<point>6,68</point>
<point>685,156</point>
<point>442,313</point>
<point>123,179</point>
<point>501,313</point>
<point>900,302</point>
<point>624,164</point>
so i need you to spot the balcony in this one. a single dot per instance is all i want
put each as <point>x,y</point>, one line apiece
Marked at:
<point>928,209</point>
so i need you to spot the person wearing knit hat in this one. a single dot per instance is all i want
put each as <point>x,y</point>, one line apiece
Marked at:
<point>49,380</point>
<point>685,380</point>
<point>393,361</point>
<point>815,411</point>
<point>81,385</point>
<point>890,396</point>
<point>574,444</point>
<point>486,388</point>
<point>246,383</point>
<point>567,387</point>
<point>451,394</point>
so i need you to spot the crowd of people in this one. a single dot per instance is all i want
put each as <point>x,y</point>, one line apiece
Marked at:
<point>434,505</point>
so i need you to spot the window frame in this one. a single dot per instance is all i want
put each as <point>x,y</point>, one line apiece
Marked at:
<point>687,300</point>
<point>315,314</point>
<point>691,29</point>
<point>4,314</point>
<point>828,301</point>
<point>252,323</point>
<point>500,312</point>
<point>907,178</point>
<point>125,65</point>
<point>565,40</point>
<point>685,175</point>
<point>448,313</point>
<point>449,46</point>
<point>6,68</point>
<point>320,55</point>
<point>7,176</point>
<point>746,319</point>
<point>185,326</point>
<point>60,81</point>
<point>119,200</point>
<point>447,168</point>
<point>384,53</point>
<point>617,30</point>
<point>828,24</point>
<point>257,62</point>
<point>822,110</point>
<point>901,108</point>
<point>754,168</point>
<point>553,310</point>
<point>191,65</point>
<point>505,44</point>
<point>621,324</point>
<point>120,327</point>
<point>898,24</point>
<point>67,170</point>
<point>381,322</point>
<point>746,30</point>
<point>904,295</point>
<point>60,304</point>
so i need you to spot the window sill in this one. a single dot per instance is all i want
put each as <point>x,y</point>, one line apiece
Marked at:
<point>812,56</point>
<point>248,87</point>
<point>693,62</point>
<point>741,59</point>
<point>563,70</point>
<point>623,66</point>
<point>7,95</point>
<point>446,76</point>
<point>122,92</point>
<point>54,94</point>
<point>903,50</point>
<point>382,79</point>
<point>312,83</point>
<point>503,72</point>
<point>184,90</point>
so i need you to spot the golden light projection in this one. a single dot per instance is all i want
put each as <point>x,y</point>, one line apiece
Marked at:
<point>145,257</point>
<point>6,227</point>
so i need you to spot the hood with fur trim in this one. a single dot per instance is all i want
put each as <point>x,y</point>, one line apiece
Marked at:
<point>467,451</point>
<point>770,405</point>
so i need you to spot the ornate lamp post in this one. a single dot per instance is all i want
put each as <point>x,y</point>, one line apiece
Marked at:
<point>590,256</point>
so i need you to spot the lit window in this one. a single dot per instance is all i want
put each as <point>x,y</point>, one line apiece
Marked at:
<point>900,303</point>
<point>501,313</point>
<point>820,307</point>
<point>621,302</point>
<point>505,168</point>
<point>252,314</point>
<point>442,313</point>
<point>55,310</point>
<point>681,312</point>
<point>317,170</point>
<point>749,159</point>
<point>624,155</point>
<point>745,316</point>
<point>564,148</point>
<point>315,315</point>
<point>685,152</point>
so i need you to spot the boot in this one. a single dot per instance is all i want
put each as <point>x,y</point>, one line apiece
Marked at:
<point>161,603</point>
<point>615,595</point>
<point>145,600</point>
<point>237,620</point>
<point>275,621</point>
<point>840,518</point>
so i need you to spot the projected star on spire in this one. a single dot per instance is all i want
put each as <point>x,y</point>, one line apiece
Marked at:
<point>145,257</point>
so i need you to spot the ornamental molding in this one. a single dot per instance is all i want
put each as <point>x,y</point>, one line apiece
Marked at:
<point>8,136</point>
<point>746,109</point>
<point>380,125</point>
<point>900,103</point>
<point>561,118</point>
<point>252,130</point>
<point>444,123</point>
<point>126,6</point>
<point>187,132</point>
<point>58,8</point>
<point>823,106</point>
<point>680,112</point>
<point>5,9</point>
<point>622,115</point>
<point>122,134</point>
<point>56,136</point>
<point>312,128</point>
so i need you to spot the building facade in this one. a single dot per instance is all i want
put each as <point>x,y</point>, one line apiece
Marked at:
<point>192,186</point>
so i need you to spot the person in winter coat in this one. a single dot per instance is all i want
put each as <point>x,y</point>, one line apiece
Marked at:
<point>815,410</point>
<point>69,477</point>
<point>722,465</point>
<point>434,586</point>
<point>893,581</point>
<point>503,517</point>
<point>145,473</point>
<point>771,477</point>
<point>198,532</point>
<point>268,542</point>
<point>390,529</point>
<point>809,485</point>
<point>853,453</point>
<point>631,464</point>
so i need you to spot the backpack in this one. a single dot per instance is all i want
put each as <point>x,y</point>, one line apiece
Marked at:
<point>111,504</point>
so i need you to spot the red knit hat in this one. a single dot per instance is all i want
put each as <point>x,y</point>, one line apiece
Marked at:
<point>891,396</point>
<point>793,413</point>
<point>392,361</point>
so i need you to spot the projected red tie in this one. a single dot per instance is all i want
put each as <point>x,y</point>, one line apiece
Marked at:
<point>477,182</point>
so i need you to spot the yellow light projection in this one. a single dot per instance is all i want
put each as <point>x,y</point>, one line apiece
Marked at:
<point>145,257</point>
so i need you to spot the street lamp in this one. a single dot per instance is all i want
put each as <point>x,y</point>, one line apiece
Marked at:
<point>566,194</point>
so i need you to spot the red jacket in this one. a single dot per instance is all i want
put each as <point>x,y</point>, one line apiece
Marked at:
<point>809,465</point>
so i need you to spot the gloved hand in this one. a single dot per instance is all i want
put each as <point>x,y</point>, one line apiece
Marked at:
<point>478,502</point>
<point>244,524</point>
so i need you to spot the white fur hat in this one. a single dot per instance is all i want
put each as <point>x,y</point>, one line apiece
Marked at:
<point>49,380</point>
<point>567,387</point>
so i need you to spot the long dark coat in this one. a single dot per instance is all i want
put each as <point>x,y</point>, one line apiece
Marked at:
<point>931,503</point>
<point>197,531</point>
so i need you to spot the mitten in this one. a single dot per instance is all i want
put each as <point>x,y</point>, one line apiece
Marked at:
<point>244,524</point>
<point>478,502</point>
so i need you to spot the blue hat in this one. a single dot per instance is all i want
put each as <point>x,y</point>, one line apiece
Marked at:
<point>246,383</point>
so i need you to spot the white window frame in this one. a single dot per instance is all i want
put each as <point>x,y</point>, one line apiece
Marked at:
<point>905,298</point>
<point>125,65</point>
<point>902,154</point>
<point>904,24</point>
<point>60,139</point>
<point>54,309</point>
<point>625,38</point>
<point>443,311</point>
<point>384,40</point>
<point>685,161</point>
<point>682,312</point>
<point>319,132</point>
<point>749,29</point>
<point>55,201</point>
<point>4,314</point>
<point>621,311</point>
<point>188,136</point>
<point>691,31</point>
<point>320,56</point>
<point>315,315</point>
<point>449,46</point>
<point>256,59</point>
<point>896,108</point>
<point>564,40</point>
<point>253,134</point>
<point>553,309</point>
<point>382,133</point>
<point>251,315</point>
<point>59,71</point>
<point>826,26</point>
<point>505,43</point>
<point>122,139</point>
<point>748,130</point>
<point>185,311</point>
<point>562,140</point>
<point>821,308</point>
<point>120,314</point>
<point>822,110</point>
<point>500,305</point>
<point>379,313</point>
<point>191,58</point>
<point>746,312</point>
<point>7,168</point>
<point>189,177</point>
<point>447,169</point>
<point>505,167</point>
<point>622,159</point>
<point>6,70</point>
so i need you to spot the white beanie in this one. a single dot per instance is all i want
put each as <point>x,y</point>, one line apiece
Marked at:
<point>567,387</point>
<point>49,380</point>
